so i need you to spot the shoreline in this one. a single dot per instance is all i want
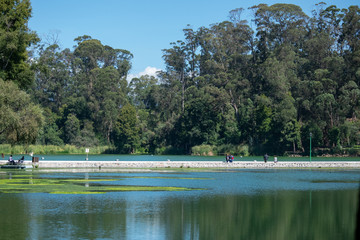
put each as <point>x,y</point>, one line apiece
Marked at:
<point>191,164</point>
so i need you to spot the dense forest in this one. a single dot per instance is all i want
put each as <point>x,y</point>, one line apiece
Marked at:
<point>235,86</point>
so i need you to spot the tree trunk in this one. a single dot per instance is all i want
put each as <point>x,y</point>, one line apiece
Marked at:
<point>233,104</point>
<point>294,147</point>
<point>182,91</point>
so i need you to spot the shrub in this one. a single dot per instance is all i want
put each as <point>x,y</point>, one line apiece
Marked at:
<point>240,150</point>
<point>203,150</point>
<point>168,150</point>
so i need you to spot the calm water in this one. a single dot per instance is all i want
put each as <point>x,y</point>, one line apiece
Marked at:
<point>113,157</point>
<point>241,204</point>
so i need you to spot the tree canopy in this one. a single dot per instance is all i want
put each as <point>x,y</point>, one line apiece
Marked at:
<point>263,88</point>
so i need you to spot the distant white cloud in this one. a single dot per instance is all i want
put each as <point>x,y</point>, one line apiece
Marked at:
<point>151,71</point>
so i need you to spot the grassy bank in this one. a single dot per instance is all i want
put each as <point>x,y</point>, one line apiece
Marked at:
<point>49,149</point>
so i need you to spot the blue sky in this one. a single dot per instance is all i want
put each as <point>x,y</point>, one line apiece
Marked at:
<point>143,27</point>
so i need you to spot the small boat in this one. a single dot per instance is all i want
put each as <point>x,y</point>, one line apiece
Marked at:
<point>20,166</point>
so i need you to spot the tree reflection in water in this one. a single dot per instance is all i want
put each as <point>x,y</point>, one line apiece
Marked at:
<point>269,214</point>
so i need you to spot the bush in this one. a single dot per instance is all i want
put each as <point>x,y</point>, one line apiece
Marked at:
<point>169,150</point>
<point>337,150</point>
<point>240,150</point>
<point>353,151</point>
<point>203,150</point>
<point>210,150</point>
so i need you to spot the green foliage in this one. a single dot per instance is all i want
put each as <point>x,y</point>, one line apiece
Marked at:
<point>211,150</point>
<point>291,135</point>
<point>126,137</point>
<point>200,122</point>
<point>15,37</point>
<point>50,149</point>
<point>142,89</point>
<point>86,137</point>
<point>50,134</point>
<point>238,150</point>
<point>334,136</point>
<point>71,128</point>
<point>349,133</point>
<point>263,119</point>
<point>20,119</point>
<point>316,139</point>
<point>52,77</point>
<point>203,150</point>
<point>168,150</point>
<point>225,88</point>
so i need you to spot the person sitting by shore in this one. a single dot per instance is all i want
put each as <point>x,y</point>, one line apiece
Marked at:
<point>11,160</point>
<point>21,160</point>
<point>229,158</point>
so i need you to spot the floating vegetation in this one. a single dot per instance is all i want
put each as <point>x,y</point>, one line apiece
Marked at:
<point>146,188</point>
<point>88,180</point>
<point>76,192</point>
<point>35,184</point>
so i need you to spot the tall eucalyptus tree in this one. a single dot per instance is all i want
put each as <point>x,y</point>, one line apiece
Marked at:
<point>15,38</point>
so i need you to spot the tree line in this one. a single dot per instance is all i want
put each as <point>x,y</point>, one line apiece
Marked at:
<point>234,86</point>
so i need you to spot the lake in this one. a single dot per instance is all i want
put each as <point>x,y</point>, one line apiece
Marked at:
<point>230,204</point>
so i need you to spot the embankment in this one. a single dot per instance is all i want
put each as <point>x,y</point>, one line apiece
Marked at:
<point>192,164</point>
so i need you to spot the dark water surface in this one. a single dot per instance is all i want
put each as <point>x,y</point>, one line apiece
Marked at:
<point>241,204</point>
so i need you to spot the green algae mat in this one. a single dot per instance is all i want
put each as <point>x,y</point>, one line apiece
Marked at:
<point>38,183</point>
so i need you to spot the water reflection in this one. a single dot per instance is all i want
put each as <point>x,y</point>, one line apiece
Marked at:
<point>218,213</point>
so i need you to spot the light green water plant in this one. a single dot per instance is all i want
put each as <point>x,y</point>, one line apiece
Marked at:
<point>33,183</point>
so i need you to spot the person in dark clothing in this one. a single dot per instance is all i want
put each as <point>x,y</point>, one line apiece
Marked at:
<point>266,157</point>
<point>21,160</point>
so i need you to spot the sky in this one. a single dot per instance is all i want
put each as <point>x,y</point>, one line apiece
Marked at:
<point>144,27</point>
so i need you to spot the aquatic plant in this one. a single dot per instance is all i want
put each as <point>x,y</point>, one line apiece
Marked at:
<point>34,183</point>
